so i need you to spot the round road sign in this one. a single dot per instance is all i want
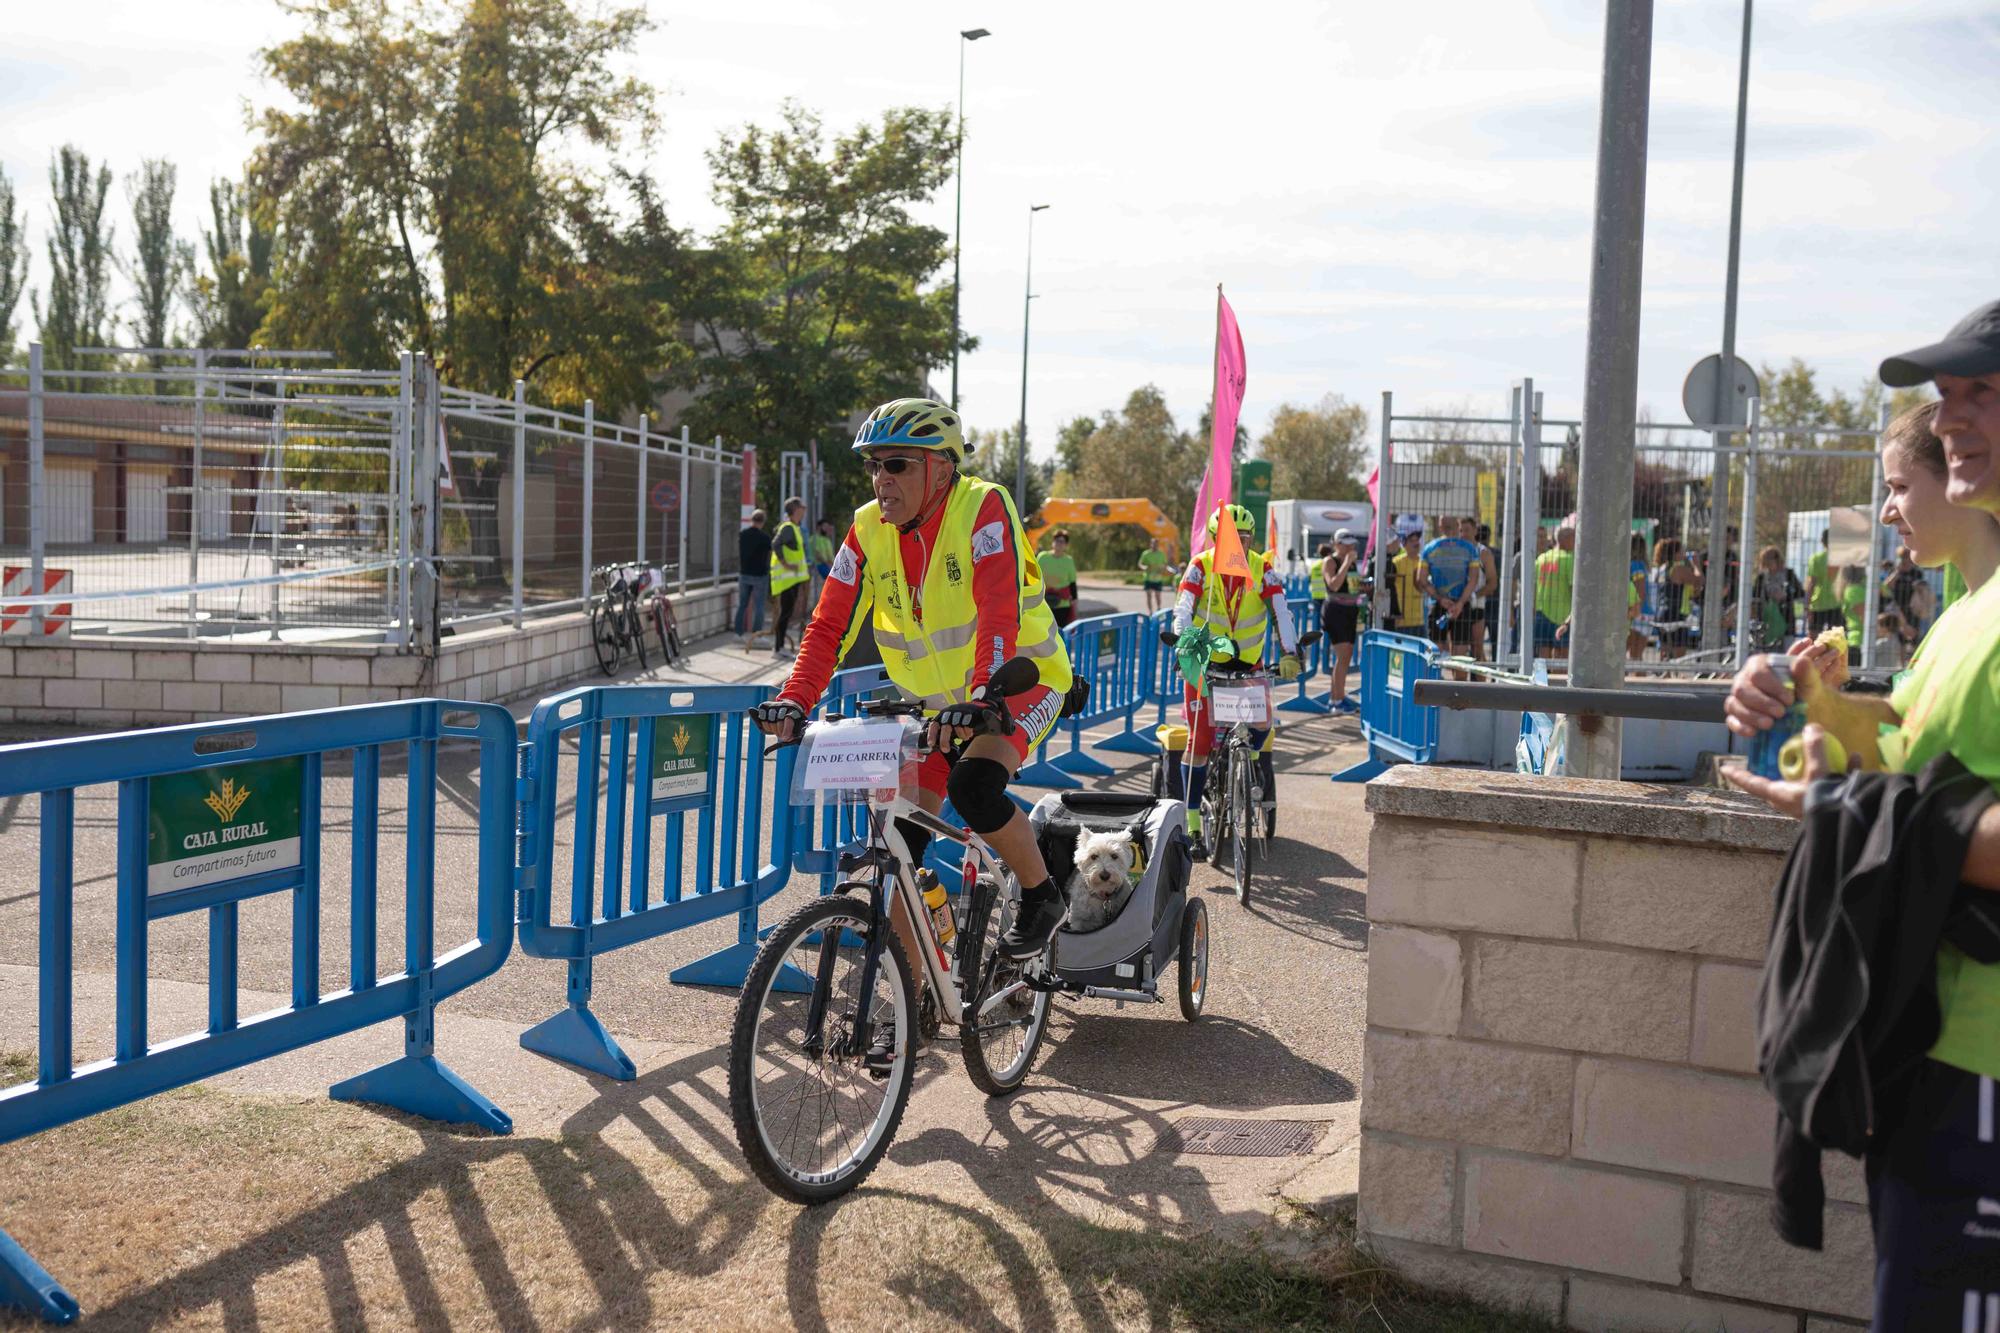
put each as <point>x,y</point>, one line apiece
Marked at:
<point>666,496</point>
<point>1698,393</point>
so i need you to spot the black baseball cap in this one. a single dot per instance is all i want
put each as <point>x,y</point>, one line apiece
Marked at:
<point>1971,349</point>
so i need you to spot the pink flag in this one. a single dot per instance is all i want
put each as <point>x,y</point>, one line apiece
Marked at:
<point>1230,376</point>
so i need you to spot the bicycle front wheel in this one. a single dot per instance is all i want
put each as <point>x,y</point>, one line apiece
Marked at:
<point>660,630</point>
<point>604,638</point>
<point>1239,828</point>
<point>1004,1018</point>
<point>635,626</point>
<point>811,1115</point>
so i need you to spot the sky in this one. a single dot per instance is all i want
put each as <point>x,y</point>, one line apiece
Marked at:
<point>1394,197</point>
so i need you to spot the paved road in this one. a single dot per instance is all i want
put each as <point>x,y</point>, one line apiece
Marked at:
<point>1283,1029</point>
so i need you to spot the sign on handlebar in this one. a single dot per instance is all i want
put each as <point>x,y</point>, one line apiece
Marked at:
<point>847,759</point>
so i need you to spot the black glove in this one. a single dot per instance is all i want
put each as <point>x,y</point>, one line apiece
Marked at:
<point>987,717</point>
<point>772,716</point>
<point>1077,696</point>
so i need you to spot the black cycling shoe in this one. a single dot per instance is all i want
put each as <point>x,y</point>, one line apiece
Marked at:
<point>1032,927</point>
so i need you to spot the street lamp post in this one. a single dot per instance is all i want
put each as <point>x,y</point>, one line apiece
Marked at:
<point>1021,459</point>
<point>958,212</point>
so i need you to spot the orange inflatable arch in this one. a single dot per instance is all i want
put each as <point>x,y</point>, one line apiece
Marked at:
<point>1140,513</point>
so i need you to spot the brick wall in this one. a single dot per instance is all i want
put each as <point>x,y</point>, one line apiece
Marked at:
<point>115,684</point>
<point>1559,1103</point>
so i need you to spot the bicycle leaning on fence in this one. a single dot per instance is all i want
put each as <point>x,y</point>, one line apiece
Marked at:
<point>823,1050</point>
<point>633,599</point>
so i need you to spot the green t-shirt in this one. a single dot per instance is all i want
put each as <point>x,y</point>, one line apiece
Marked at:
<point>1954,586</point>
<point>1825,597</point>
<point>1153,565</point>
<point>1854,607</point>
<point>822,549</point>
<point>1949,700</point>
<point>1058,571</point>
<point>1555,584</point>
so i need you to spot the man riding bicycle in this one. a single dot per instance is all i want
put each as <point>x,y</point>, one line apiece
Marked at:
<point>941,562</point>
<point>1240,611</point>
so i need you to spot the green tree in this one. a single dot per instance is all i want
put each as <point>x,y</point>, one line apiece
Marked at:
<point>1321,451</point>
<point>78,313</point>
<point>461,224</point>
<point>1069,443</point>
<point>229,299</point>
<point>161,266</point>
<point>995,454</point>
<point>807,305</point>
<point>13,265</point>
<point>1140,451</point>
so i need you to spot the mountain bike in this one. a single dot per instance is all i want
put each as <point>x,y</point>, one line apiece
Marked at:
<point>1232,804</point>
<point>658,611</point>
<point>823,1049</point>
<point>614,619</point>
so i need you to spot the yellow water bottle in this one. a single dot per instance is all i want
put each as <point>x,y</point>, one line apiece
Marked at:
<point>934,898</point>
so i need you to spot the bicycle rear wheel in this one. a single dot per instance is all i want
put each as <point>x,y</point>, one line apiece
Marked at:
<point>667,653</point>
<point>811,1118</point>
<point>1004,1019</point>
<point>604,637</point>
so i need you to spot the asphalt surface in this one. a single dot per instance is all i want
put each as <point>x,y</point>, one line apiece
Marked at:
<point>1283,1028</point>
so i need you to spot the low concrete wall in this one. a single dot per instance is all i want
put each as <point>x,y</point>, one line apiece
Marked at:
<point>122,683</point>
<point>1559,1103</point>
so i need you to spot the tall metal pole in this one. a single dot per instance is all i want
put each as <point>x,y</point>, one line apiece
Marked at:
<point>1611,379</point>
<point>958,210</point>
<point>520,491</point>
<point>1021,459</point>
<point>1718,483</point>
<point>1378,558</point>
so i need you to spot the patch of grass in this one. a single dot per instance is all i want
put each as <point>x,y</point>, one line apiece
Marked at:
<point>15,1067</point>
<point>1310,1275</point>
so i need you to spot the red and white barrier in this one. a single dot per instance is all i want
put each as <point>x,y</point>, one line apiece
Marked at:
<point>18,581</point>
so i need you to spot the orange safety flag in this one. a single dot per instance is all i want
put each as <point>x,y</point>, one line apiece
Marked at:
<point>1229,557</point>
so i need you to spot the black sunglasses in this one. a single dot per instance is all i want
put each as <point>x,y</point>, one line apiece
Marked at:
<point>895,467</point>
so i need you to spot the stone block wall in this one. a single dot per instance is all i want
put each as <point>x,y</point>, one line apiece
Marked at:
<point>1559,1105</point>
<point>111,685</point>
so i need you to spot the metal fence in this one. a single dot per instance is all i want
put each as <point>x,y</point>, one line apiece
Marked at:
<point>1726,522</point>
<point>268,496</point>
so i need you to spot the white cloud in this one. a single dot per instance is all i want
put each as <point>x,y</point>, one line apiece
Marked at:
<point>1397,197</point>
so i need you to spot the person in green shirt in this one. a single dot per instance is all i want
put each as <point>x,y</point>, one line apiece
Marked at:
<point>1153,572</point>
<point>1059,577</point>
<point>1935,1176</point>
<point>1555,592</point>
<point>821,545</point>
<point>1822,599</point>
<point>1853,584</point>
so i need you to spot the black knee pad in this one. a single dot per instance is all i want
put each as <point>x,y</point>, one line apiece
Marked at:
<point>978,791</point>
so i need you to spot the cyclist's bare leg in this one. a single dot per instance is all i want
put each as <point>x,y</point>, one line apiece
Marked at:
<point>1014,840</point>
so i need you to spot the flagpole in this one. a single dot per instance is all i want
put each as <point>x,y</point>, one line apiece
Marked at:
<point>1209,488</point>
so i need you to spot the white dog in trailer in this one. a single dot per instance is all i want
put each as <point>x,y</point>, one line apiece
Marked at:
<point>1103,880</point>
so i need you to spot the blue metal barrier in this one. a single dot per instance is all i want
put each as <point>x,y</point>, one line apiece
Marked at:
<point>1395,725</point>
<point>1107,652</point>
<point>1312,661</point>
<point>688,746</point>
<point>188,834</point>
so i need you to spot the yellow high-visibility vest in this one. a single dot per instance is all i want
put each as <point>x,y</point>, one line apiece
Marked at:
<point>1315,583</point>
<point>934,659</point>
<point>1245,622</point>
<point>788,569</point>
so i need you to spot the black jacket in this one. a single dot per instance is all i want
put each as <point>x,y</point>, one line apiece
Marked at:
<point>1847,1008</point>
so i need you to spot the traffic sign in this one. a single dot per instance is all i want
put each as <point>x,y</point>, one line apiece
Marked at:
<point>666,496</point>
<point>1698,393</point>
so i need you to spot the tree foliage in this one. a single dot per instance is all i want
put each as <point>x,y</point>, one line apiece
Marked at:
<point>1321,452</point>
<point>161,266</point>
<point>807,305</point>
<point>230,299</point>
<point>13,265</point>
<point>78,313</point>
<point>427,192</point>
<point>1138,450</point>
<point>996,454</point>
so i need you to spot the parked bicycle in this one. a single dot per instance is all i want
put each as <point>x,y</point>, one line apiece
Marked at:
<point>657,610</point>
<point>615,625</point>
